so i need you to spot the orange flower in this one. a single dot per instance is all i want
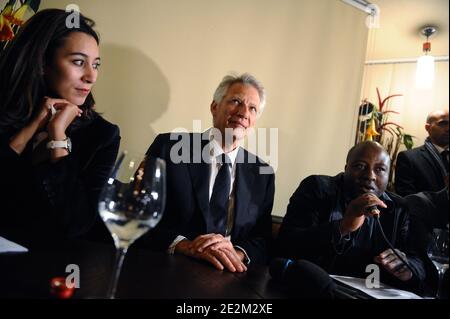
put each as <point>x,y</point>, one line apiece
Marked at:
<point>19,15</point>
<point>10,17</point>
<point>8,9</point>
<point>6,32</point>
<point>371,130</point>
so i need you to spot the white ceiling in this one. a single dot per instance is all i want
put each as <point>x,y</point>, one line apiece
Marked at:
<point>400,23</point>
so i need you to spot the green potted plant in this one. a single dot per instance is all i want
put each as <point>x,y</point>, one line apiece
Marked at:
<point>374,125</point>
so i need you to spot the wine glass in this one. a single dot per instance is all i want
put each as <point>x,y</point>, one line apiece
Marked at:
<point>131,203</point>
<point>438,253</point>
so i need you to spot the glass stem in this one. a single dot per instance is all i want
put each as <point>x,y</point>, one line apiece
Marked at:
<point>120,255</point>
<point>441,273</point>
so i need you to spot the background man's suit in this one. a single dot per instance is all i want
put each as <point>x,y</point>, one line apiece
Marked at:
<point>187,207</point>
<point>417,171</point>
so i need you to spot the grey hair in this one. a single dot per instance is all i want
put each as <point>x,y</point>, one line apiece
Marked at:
<point>244,78</point>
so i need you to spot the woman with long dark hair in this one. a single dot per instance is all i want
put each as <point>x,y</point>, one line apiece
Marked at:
<point>55,150</point>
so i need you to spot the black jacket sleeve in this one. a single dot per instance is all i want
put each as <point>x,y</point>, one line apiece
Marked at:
<point>404,176</point>
<point>166,231</point>
<point>425,209</point>
<point>413,256</point>
<point>257,243</point>
<point>303,233</point>
<point>73,184</point>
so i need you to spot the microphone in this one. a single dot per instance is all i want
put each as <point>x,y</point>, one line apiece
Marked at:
<point>370,209</point>
<point>303,279</point>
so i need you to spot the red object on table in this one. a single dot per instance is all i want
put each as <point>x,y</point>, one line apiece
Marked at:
<point>59,288</point>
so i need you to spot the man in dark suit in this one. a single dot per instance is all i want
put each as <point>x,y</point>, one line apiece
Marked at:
<point>219,196</point>
<point>424,168</point>
<point>332,221</point>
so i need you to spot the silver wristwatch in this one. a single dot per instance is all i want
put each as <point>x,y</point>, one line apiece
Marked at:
<point>67,144</point>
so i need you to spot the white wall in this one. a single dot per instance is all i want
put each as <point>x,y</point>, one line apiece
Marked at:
<point>162,60</point>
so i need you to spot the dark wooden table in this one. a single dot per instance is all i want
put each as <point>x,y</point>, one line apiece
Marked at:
<point>144,274</point>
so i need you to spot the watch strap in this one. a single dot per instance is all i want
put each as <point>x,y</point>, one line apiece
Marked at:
<point>66,144</point>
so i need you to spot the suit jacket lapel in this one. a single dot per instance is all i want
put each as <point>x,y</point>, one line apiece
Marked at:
<point>429,158</point>
<point>245,177</point>
<point>200,180</point>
